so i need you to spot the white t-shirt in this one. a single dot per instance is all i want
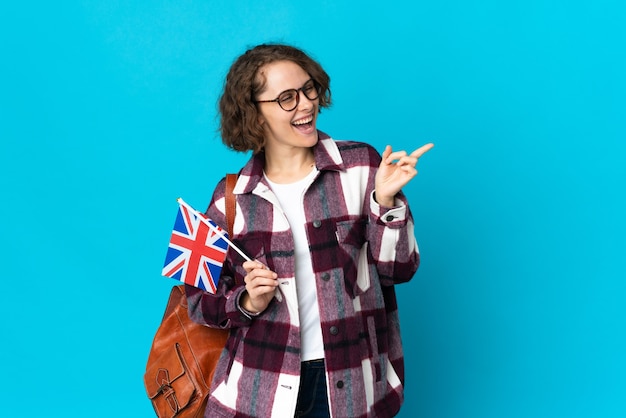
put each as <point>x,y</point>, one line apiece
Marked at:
<point>291,197</point>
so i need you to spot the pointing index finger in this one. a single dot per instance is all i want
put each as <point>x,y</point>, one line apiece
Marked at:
<point>422,150</point>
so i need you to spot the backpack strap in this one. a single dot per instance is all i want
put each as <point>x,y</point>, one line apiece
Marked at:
<point>231,180</point>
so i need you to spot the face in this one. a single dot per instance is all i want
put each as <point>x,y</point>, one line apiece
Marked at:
<point>283,129</point>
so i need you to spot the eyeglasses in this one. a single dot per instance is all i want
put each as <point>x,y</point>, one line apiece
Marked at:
<point>288,100</point>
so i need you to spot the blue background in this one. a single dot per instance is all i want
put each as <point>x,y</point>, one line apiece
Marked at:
<point>108,114</point>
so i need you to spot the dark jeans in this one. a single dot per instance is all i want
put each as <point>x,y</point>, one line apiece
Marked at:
<point>312,395</point>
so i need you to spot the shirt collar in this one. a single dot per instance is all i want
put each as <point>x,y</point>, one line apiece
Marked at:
<point>326,153</point>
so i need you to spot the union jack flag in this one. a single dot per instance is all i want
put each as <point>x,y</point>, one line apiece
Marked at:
<point>196,252</point>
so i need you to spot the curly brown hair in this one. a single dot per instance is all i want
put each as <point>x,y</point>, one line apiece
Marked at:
<point>239,125</point>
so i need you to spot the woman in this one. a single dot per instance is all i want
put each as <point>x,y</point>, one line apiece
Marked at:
<point>313,320</point>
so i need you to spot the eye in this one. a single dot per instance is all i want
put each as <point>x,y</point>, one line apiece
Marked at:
<point>309,87</point>
<point>287,96</point>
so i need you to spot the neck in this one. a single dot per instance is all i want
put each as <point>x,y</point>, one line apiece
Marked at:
<point>289,167</point>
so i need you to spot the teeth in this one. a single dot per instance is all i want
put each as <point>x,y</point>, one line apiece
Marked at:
<point>303,121</point>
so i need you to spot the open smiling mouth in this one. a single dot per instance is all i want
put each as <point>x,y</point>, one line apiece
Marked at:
<point>304,123</point>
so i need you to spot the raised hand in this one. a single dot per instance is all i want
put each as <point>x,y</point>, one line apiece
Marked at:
<point>395,171</point>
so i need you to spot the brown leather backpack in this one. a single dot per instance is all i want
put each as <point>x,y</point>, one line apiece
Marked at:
<point>184,354</point>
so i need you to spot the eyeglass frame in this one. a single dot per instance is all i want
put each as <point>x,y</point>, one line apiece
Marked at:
<point>318,89</point>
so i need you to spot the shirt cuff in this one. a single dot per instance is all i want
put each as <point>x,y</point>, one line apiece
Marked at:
<point>249,315</point>
<point>389,216</point>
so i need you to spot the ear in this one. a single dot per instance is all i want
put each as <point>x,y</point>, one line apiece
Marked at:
<point>260,119</point>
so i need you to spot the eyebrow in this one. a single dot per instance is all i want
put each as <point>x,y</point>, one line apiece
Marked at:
<point>305,83</point>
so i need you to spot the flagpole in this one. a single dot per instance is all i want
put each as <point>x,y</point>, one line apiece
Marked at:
<point>213,228</point>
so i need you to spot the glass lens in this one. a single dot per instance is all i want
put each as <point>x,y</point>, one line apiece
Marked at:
<point>311,90</point>
<point>288,99</point>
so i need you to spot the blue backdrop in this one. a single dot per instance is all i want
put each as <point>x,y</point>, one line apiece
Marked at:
<point>108,114</point>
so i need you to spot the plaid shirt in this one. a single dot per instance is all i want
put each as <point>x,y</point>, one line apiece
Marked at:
<point>359,251</point>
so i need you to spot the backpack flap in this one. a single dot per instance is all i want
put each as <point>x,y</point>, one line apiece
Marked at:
<point>168,383</point>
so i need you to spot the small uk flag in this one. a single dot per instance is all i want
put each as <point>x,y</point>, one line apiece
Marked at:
<point>196,252</point>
